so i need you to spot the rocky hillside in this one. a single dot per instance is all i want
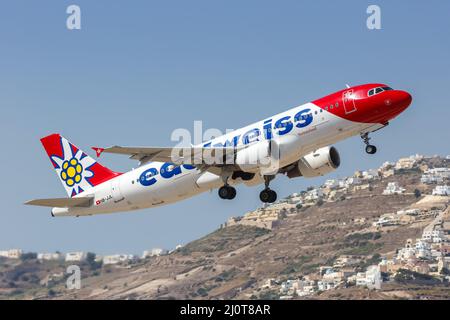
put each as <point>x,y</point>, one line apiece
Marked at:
<point>237,261</point>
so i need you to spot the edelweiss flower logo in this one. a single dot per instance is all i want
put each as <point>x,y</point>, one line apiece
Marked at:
<point>73,168</point>
<point>71,172</point>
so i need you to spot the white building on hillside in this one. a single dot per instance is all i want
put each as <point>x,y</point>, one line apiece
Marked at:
<point>441,172</point>
<point>387,165</point>
<point>76,256</point>
<point>314,194</point>
<point>423,250</point>
<point>155,252</point>
<point>441,191</point>
<point>346,260</point>
<point>11,254</point>
<point>393,188</point>
<point>50,256</point>
<point>387,219</point>
<point>117,258</point>
<point>370,174</point>
<point>327,284</point>
<point>431,178</point>
<point>433,236</point>
<point>371,278</point>
<point>290,286</point>
<point>331,184</point>
<point>306,288</point>
<point>353,181</point>
<point>405,163</point>
<point>405,254</point>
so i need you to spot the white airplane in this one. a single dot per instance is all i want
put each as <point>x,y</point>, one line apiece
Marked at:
<point>295,143</point>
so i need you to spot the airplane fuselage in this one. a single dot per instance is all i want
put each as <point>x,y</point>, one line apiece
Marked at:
<point>298,131</point>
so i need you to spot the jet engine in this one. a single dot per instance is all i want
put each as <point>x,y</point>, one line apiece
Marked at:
<point>316,163</point>
<point>255,157</point>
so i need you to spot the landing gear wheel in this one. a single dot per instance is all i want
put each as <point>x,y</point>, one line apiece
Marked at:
<point>273,196</point>
<point>227,192</point>
<point>268,196</point>
<point>264,196</point>
<point>371,149</point>
<point>232,194</point>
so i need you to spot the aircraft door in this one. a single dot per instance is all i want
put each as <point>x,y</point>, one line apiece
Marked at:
<point>349,101</point>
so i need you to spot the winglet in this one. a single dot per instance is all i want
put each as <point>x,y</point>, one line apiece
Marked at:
<point>98,151</point>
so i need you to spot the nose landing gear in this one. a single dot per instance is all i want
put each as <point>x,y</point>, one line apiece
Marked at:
<point>370,149</point>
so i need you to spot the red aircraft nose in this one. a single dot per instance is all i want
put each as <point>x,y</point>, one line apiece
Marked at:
<point>400,100</point>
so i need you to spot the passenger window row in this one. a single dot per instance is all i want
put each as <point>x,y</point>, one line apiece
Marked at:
<point>329,107</point>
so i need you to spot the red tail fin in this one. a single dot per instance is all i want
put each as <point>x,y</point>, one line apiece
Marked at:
<point>76,170</point>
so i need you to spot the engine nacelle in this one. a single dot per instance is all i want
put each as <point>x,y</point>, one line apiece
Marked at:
<point>317,163</point>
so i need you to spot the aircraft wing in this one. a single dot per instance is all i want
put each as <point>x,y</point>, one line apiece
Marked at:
<point>62,202</point>
<point>177,155</point>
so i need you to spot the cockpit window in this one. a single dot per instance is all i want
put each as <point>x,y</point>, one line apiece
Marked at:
<point>377,90</point>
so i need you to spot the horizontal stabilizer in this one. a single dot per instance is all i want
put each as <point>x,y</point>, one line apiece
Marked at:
<point>62,202</point>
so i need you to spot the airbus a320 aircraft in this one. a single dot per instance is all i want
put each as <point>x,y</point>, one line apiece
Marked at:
<point>295,143</point>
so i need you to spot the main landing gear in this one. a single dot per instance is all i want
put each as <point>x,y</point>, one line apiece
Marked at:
<point>370,149</point>
<point>227,192</point>
<point>268,195</point>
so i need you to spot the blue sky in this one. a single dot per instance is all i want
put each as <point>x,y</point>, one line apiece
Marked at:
<point>138,70</point>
